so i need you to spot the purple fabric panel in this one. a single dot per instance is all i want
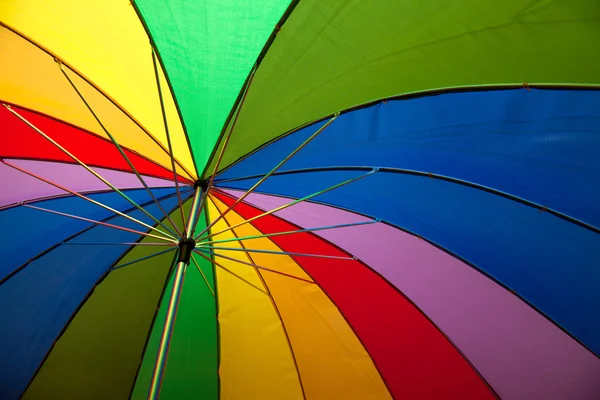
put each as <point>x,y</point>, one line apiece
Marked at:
<point>520,353</point>
<point>17,186</point>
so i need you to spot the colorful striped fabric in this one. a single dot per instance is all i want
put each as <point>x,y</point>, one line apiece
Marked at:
<point>299,199</point>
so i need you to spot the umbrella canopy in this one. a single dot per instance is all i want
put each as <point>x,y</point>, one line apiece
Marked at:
<point>234,199</point>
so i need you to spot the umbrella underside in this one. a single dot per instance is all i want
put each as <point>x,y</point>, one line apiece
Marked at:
<point>327,200</point>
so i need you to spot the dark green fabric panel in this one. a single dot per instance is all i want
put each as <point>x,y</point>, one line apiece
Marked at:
<point>192,369</point>
<point>99,353</point>
<point>332,55</point>
<point>208,48</point>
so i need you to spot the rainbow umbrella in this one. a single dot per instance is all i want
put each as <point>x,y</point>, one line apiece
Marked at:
<point>270,199</point>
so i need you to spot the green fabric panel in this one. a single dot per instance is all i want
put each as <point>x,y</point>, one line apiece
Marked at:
<point>192,366</point>
<point>208,48</point>
<point>99,353</point>
<point>332,55</point>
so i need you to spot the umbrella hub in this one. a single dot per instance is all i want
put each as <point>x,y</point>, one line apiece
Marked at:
<point>202,184</point>
<point>186,246</point>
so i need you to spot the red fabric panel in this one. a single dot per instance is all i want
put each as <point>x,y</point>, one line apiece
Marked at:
<point>414,358</point>
<point>18,140</point>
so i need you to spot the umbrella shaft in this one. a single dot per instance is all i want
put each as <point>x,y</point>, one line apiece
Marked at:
<point>165,339</point>
<point>167,331</point>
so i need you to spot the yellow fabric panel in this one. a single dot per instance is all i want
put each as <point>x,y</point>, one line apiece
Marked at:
<point>256,362</point>
<point>333,363</point>
<point>106,42</point>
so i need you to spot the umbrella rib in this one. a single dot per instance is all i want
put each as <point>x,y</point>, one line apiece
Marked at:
<point>63,195</point>
<point>237,113</point>
<point>231,272</point>
<point>86,167</point>
<point>285,253</point>
<point>265,177</point>
<point>143,258</point>
<point>174,245</point>
<point>254,265</point>
<point>458,181</point>
<point>112,138</point>
<point>97,222</point>
<point>203,276</point>
<point>170,146</point>
<point>284,206</point>
<point>81,196</point>
<point>266,235</point>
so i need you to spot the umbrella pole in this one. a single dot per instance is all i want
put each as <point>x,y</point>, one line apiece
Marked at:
<point>186,246</point>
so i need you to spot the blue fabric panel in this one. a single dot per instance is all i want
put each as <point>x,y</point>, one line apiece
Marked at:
<point>551,262</point>
<point>37,302</point>
<point>26,232</point>
<point>540,145</point>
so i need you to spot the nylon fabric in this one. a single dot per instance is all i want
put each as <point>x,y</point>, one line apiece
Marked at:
<point>512,286</point>
<point>105,340</point>
<point>107,43</point>
<point>208,76</point>
<point>540,145</point>
<point>332,55</point>
<point>331,360</point>
<point>546,260</point>
<point>192,368</point>
<point>516,350</point>
<point>406,347</point>
<point>36,303</point>
<point>21,141</point>
<point>251,334</point>
<point>51,229</point>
